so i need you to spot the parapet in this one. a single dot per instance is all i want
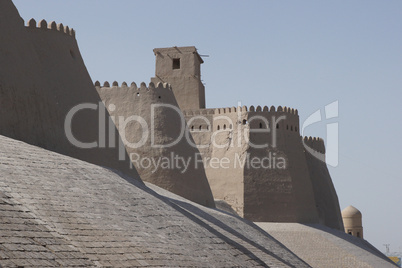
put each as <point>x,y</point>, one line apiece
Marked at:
<point>259,109</point>
<point>315,143</point>
<point>199,112</point>
<point>52,26</point>
<point>133,85</point>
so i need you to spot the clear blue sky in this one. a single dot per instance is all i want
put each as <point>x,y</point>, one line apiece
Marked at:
<point>302,54</point>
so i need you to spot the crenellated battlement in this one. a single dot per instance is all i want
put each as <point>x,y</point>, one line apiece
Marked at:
<point>231,110</point>
<point>51,26</point>
<point>258,109</point>
<point>279,109</point>
<point>133,85</point>
<point>315,143</point>
<point>251,116</point>
<point>252,108</point>
<point>199,112</point>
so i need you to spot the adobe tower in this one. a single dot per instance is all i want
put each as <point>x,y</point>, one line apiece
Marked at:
<point>181,68</point>
<point>352,220</point>
<point>43,86</point>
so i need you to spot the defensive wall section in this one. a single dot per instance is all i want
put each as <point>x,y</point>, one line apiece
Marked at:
<point>220,138</point>
<point>42,78</point>
<point>156,137</point>
<point>287,187</point>
<point>283,191</point>
<point>46,56</point>
<point>326,198</point>
<point>266,192</point>
<point>286,184</point>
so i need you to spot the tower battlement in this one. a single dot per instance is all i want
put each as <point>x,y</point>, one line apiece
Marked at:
<point>133,85</point>
<point>243,108</point>
<point>51,26</point>
<point>315,143</point>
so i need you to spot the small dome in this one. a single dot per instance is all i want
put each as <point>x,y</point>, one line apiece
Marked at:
<point>351,211</point>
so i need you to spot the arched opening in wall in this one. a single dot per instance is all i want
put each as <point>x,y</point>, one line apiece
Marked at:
<point>218,128</point>
<point>277,126</point>
<point>260,125</point>
<point>72,53</point>
<point>192,128</point>
<point>244,122</point>
<point>224,126</point>
<point>350,232</point>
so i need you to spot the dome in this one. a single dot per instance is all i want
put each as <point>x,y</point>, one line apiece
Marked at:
<point>351,211</point>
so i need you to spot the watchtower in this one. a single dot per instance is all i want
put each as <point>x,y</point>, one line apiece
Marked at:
<point>181,68</point>
<point>352,220</point>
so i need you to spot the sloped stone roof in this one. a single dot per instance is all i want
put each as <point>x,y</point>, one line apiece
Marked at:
<point>26,241</point>
<point>321,246</point>
<point>60,211</point>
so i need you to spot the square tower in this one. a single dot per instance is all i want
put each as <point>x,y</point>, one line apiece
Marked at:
<point>181,68</point>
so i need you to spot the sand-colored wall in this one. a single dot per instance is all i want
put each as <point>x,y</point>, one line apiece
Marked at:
<point>283,191</point>
<point>267,192</point>
<point>222,150</point>
<point>327,202</point>
<point>166,125</point>
<point>186,80</point>
<point>42,77</point>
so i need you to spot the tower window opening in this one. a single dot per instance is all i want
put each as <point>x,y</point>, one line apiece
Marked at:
<point>244,121</point>
<point>176,64</point>
<point>219,127</point>
<point>295,128</point>
<point>287,127</point>
<point>291,128</point>
<point>230,126</point>
<point>200,128</point>
<point>192,128</point>
<point>224,126</point>
<point>277,126</point>
<point>260,125</point>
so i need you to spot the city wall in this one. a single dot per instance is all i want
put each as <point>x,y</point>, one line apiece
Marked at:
<point>43,77</point>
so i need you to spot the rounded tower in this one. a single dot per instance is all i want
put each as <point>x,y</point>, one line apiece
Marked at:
<point>352,220</point>
<point>153,130</point>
